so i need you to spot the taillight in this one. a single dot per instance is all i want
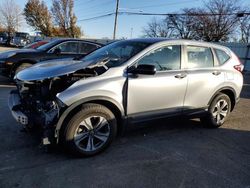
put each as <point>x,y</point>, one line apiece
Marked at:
<point>239,67</point>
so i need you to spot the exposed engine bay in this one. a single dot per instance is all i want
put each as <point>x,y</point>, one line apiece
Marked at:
<point>38,105</point>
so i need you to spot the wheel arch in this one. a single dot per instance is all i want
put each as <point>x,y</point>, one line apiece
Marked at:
<point>18,63</point>
<point>76,107</point>
<point>230,92</point>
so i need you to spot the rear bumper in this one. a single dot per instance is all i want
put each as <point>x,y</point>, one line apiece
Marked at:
<point>14,103</point>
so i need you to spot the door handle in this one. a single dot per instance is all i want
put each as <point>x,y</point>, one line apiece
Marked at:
<point>180,76</point>
<point>216,73</point>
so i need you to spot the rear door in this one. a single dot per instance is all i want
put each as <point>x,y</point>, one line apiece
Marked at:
<point>204,76</point>
<point>86,48</point>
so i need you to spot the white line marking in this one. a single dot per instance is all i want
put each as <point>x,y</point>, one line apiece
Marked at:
<point>7,86</point>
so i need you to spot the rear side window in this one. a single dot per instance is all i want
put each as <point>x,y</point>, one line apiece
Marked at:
<point>86,48</point>
<point>68,47</point>
<point>222,56</point>
<point>199,57</point>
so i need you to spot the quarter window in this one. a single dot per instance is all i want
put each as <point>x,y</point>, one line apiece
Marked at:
<point>165,58</point>
<point>222,56</point>
<point>199,57</point>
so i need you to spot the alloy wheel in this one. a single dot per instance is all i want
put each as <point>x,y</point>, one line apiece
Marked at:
<point>220,111</point>
<point>92,133</point>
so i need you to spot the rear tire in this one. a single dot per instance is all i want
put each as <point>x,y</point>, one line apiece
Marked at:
<point>90,131</point>
<point>218,110</point>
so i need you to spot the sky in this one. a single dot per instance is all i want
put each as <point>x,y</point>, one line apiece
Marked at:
<point>129,26</point>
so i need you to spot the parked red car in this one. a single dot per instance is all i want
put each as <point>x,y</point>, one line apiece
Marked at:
<point>37,44</point>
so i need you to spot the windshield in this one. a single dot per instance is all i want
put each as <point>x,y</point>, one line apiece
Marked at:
<point>116,53</point>
<point>3,34</point>
<point>22,35</point>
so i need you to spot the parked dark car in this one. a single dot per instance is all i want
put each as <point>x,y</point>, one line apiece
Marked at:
<point>11,62</point>
<point>20,39</point>
<point>3,37</point>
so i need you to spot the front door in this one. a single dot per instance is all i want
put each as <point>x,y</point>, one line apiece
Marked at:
<point>68,49</point>
<point>162,93</point>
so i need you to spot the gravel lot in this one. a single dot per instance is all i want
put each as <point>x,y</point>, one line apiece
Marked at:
<point>176,153</point>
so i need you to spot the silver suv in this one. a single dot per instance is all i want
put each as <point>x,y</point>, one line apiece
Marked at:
<point>84,104</point>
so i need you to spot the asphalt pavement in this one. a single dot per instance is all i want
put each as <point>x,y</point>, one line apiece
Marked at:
<point>176,153</point>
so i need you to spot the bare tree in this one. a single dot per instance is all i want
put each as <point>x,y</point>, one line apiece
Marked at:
<point>157,28</point>
<point>2,29</point>
<point>10,15</point>
<point>245,28</point>
<point>217,20</point>
<point>38,16</point>
<point>64,18</point>
<point>182,25</point>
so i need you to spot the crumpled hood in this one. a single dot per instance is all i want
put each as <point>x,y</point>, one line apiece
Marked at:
<point>49,69</point>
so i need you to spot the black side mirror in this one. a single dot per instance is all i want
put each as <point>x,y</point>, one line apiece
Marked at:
<point>57,51</point>
<point>143,69</point>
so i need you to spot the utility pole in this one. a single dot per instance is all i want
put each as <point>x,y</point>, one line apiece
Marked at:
<point>116,14</point>
<point>131,33</point>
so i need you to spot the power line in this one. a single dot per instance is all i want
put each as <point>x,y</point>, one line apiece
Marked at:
<point>109,2</point>
<point>165,4</point>
<point>238,14</point>
<point>97,17</point>
<point>95,13</point>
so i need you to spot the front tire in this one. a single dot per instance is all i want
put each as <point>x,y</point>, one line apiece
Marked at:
<point>218,111</point>
<point>22,67</point>
<point>90,131</point>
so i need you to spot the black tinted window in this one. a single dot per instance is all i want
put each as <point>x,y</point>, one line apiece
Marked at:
<point>165,58</point>
<point>199,57</point>
<point>86,48</point>
<point>68,47</point>
<point>222,56</point>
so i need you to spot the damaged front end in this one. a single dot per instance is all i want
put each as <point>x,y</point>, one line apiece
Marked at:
<point>34,103</point>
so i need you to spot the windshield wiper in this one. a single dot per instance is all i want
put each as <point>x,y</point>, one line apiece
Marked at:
<point>102,62</point>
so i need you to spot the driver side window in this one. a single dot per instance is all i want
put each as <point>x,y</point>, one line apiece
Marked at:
<point>164,58</point>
